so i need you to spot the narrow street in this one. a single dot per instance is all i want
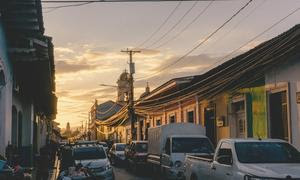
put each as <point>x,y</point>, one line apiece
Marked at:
<point>122,173</point>
<point>149,89</point>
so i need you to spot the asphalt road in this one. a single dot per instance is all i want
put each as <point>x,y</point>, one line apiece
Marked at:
<point>122,174</point>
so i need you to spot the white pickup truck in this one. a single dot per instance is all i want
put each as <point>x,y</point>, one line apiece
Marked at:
<point>246,159</point>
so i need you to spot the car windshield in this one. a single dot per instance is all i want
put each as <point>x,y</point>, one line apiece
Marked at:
<point>89,153</point>
<point>120,147</point>
<point>103,144</point>
<point>191,145</point>
<point>141,147</point>
<point>266,152</point>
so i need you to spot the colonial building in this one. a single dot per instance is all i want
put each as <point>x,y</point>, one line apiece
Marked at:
<point>123,87</point>
<point>27,60</point>
<point>102,112</point>
<point>6,84</point>
<point>255,94</point>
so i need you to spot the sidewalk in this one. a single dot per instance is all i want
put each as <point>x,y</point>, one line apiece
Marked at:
<point>53,174</point>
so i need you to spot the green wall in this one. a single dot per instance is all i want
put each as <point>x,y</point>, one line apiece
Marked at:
<point>256,102</point>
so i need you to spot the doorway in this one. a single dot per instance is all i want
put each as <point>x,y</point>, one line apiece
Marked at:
<point>20,129</point>
<point>14,128</point>
<point>279,115</point>
<point>210,123</point>
<point>239,116</point>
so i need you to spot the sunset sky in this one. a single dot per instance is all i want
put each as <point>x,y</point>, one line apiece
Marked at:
<point>88,40</point>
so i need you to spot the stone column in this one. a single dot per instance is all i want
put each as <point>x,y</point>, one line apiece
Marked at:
<point>138,129</point>
<point>165,117</point>
<point>197,112</point>
<point>180,115</point>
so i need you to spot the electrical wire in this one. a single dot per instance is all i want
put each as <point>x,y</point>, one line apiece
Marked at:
<point>199,44</point>
<point>186,27</point>
<point>162,25</point>
<point>228,32</point>
<point>103,1</point>
<point>238,69</point>
<point>173,27</point>
<point>272,53</point>
<point>227,68</point>
<point>260,34</point>
<point>251,40</point>
<point>237,24</point>
<point>108,110</point>
<point>65,6</point>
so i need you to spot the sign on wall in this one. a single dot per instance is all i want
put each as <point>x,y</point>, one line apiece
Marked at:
<point>298,97</point>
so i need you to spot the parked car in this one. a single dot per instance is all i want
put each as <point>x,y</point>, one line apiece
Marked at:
<point>246,159</point>
<point>126,150</point>
<point>84,142</point>
<point>104,145</point>
<point>95,159</point>
<point>66,157</point>
<point>169,144</point>
<point>117,153</point>
<point>136,155</point>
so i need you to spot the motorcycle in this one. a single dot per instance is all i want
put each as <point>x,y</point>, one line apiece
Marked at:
<point>14,173</point>
<point>77,173</point>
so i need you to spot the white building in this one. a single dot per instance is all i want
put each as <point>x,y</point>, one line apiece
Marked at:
<point>5,93</point>
<point>27,86</point>
<point>283,94</point>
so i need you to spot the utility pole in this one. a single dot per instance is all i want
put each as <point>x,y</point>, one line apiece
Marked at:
<point>131,111</point>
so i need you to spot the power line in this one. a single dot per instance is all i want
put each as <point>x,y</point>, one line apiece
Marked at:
<point>186,27</point>
<point>237,24</point>
<point>224,74</point>
<point>260,34</point>
<point>234,27</point>
<point>159,28</point>
<point>131,112</point>
<point>251,40</point>
<point>199,44</point>
<point>248,42</point>
<point>65,6</point>
<point>174,26</point>
<point>103,1</point>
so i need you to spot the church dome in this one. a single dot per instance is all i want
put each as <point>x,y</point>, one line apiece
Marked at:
<point>124,76</point>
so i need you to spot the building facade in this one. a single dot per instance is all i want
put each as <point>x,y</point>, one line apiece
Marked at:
<point>253,95</point>
<point>262,101</point>
<point>28,100</point>
<point>6,83</point>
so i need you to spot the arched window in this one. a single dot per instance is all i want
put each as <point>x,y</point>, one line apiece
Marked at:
<point>2,77</point>
<point>14,126</point>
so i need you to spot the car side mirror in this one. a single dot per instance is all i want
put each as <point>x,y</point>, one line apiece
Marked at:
<point>225,159</point>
